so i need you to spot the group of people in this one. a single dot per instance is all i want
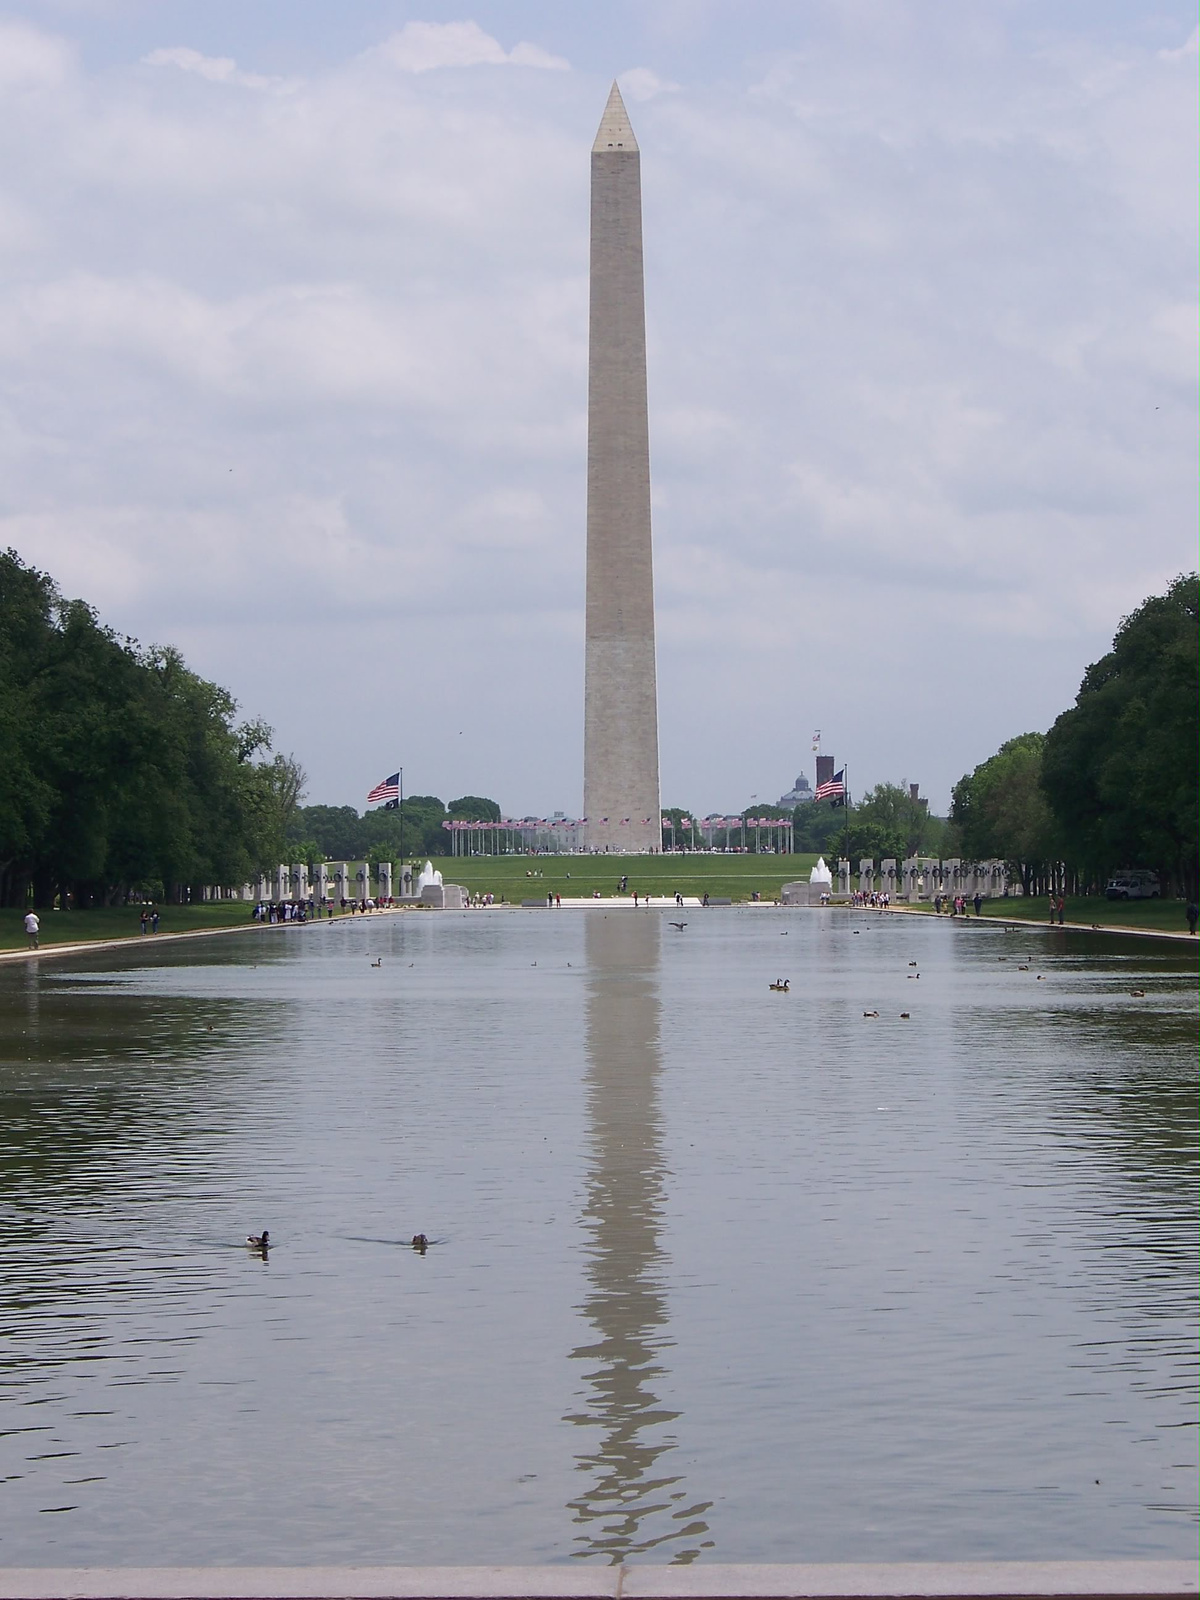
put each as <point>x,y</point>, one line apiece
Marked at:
<point>149,919</point>
<point>875,900</point>
<point>274,911</point>
<point>958,906</point>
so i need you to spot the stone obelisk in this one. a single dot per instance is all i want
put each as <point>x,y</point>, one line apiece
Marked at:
<point>620,728</point>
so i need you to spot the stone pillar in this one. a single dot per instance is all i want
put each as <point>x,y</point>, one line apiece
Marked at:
<point>340,874</point>
<point>362,881</point>
<point>262,889</point>
<point>952,883</point>
<point>300,881</point>
<point>283,883</point>
<point>866,875</point>
<point>321,882</point>
<point>843,878</point>
<point>889,881</point>
<point>385,880</point>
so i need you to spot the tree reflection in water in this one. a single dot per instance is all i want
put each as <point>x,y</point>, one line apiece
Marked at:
<point>632,1504</point>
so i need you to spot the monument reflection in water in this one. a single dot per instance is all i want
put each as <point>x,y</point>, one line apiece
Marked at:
<point>633,1503</point>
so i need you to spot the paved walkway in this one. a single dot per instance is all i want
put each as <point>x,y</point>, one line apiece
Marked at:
<point>1067,927</point>
<point>974,1580</point>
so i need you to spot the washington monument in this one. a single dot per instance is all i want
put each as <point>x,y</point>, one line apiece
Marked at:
<point>620,724</point>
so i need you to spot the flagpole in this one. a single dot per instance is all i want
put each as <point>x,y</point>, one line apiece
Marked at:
<point>401,809</point>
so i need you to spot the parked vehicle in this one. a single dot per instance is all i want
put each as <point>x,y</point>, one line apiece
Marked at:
<point>1135,883</point>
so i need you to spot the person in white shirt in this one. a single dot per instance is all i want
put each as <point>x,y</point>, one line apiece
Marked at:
<point>32,928</point>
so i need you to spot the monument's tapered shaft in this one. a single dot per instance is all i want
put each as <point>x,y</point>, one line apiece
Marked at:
<point>620,735</point>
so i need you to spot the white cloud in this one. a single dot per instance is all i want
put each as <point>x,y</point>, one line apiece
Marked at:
<point>31,59</point>
<point>1190,47</point>
<point>421,46</point>
<point>642,83</point>
<point>922,370</point>
<point>216,69</point>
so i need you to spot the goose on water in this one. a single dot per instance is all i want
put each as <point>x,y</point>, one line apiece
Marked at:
<point>258,1241</point>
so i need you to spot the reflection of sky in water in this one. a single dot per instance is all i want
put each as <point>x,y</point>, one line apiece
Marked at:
<point>718,1272</point>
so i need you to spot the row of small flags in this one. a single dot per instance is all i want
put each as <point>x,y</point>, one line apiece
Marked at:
<point>567,822</point>
<point>538,822</point>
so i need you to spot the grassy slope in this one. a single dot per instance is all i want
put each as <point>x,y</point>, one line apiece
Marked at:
<point>734,876</point>
<point>118,922</point>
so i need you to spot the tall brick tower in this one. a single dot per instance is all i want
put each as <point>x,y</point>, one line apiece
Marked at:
<point>620,728</point>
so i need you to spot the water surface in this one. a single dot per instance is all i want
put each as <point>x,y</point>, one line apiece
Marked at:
<point>717,1273</point>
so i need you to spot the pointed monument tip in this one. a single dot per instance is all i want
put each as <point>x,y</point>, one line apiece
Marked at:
<point>616,130</point>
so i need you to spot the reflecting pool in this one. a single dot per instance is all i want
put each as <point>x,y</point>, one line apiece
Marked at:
<point>715,1272</point>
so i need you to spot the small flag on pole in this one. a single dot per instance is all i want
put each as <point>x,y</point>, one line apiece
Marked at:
<point>389,789</point>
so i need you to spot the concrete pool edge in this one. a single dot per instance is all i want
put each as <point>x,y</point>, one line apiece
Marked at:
<point>839,1581</point>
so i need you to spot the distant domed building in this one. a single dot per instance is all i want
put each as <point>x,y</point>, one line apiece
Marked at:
<point>795,796</point>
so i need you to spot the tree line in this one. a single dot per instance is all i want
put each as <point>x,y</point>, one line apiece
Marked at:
<point>391,833</point>
<point>1113,782</point>
<point>121,771</point>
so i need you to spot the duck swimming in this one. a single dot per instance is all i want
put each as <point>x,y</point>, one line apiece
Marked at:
<point>782,985</point>
<point>420,1243</point>
<point>258,1241</point>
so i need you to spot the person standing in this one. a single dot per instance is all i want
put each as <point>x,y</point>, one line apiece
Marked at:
<point>1192,911</point>
<point>978,902</point>
<point>1062,906</point>
<point>154,920</point>
<point>144,919</point>
<point>32,927</point>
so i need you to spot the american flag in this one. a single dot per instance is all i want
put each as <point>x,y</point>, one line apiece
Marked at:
<point>834,789</point>
<point>389,789</point>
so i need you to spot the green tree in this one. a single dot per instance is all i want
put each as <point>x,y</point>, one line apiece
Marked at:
<point>1119,768</point>
<point>1001,812</point>
<point>816,826</point>
<point>474,808</point>
<point>338,830</point>
<point>118,766</point>
<point>893,809</point>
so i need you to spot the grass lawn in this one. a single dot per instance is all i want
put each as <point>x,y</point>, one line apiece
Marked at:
<point>119,922</point>
<point>1165,916</point>
<point>736,877</point>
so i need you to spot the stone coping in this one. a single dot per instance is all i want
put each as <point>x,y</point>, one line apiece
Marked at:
<point>978,1580</point>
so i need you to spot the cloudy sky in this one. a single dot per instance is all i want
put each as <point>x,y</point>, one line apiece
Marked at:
<point>293,315</point>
